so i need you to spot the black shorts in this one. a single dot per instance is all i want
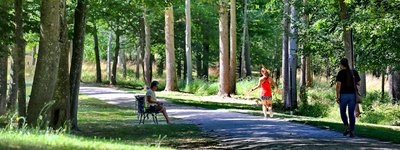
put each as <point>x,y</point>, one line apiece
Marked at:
<point>154,108</point>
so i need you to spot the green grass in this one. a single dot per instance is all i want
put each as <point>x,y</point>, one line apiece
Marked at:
<point>106,126</point>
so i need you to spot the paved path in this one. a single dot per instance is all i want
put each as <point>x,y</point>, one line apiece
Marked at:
<point>242,131</point>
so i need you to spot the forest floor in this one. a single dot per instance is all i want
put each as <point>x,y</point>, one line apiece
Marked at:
<point>244,131</point>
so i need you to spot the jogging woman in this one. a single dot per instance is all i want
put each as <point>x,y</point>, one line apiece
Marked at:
<point>265,83</point>
<point>346,81</point>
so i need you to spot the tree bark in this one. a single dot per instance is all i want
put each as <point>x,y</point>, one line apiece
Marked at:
<point>20,49</point>
<point>141,47</point>
<point>347,33</point>
<point>109,57</point>
<point>47,66</point>
<point>171,80</point>
<point>146,71</point>
<point>60,113</point>
<point>292,56</point>
<point>206,50</point>
<point>123,61</point>
<point>383,85</point>
<point>303,85</point>
<point>97,53</point>
<point>33,55</point>
<point>77,56</point>
<point>309,71</point>
<point>3,79</point>
<point>188,42</point>
<point>13,90</point>
<point>363,84</point>
<point>246,41</point>
<point>223,49</point>
<point>115,61</point>
<point>394,85</point>
<point>233,66</point>
<point>285,55</point>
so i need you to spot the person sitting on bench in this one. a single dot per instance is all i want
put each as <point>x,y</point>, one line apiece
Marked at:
<point>152,104</point>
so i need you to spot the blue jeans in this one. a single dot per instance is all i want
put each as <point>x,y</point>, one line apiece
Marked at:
<point>348,100</point>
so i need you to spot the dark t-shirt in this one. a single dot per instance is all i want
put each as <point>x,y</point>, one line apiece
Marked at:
<point>347,83</point>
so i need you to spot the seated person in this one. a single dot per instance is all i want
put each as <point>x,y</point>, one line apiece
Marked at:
<point>151,101</point>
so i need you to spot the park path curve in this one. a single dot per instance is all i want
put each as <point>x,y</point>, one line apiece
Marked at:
<point>243,131</point>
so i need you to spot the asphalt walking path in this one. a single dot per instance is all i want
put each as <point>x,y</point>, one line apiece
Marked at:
<point>242,131</point>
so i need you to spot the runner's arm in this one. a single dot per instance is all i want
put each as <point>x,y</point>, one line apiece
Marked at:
<point>274,84</point>
<point>258,86</point>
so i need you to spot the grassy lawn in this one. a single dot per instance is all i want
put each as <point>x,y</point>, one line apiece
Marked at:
<point>379,132</point>
<point>106,126</point>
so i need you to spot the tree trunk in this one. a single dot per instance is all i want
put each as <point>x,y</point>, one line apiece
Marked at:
<point>394,86</point>
<point>146,71</point>
<point>199,66</point>
<point>47,66</point>
<point>309,71</point>
<point>171,80</point>
<point>20,50</point>
<point>123,62</point>
<point>109,57</point>
<point>206,50</point>
<point>115,61</point>
<point>97,53</point>
<point>179,68</point>
<point>233,66</point>
<point>60,113</point>
<point>347,33</point>
<point>243,52</point>
<point>363,84</point>
<point>303,85</point>
<point>285,55</point>
<point>188,42</point>
<point>13,90</point>
<point>246,41</point>
<point>223,49</point>
<point>3,79</point>
<point>77,56</point>
<point>184,67</point>
<point>383,85</point>
<point>141,46</point>
<point>33,55</point>
<point>292,57</point>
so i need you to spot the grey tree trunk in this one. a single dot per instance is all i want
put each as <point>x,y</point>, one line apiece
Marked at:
<point>285,55</point>
<point>77,56</point>
<point>223,49</point>
<point>347,33</point>
<point>123,62</point>
<point>109,57</point>
<point>60,113</point>
<point>3,78</point>
<point>292,56</point>
<point>141,47</point>
<point>115,61</point>
<point>206,50</point>
<point>45,78</point>
<point>97,54</point>
<point>383,85</point>
<point>13,90</point>
<point>394,85</point>
<point>363,84</point>
<point>20,50</point>
<point>146,59</point>
<point>303,85</point>
<point>188,42</point>
<point>233,66</point>
<point>171,80</point>
<point>309,71</point>
<point>246,41</point>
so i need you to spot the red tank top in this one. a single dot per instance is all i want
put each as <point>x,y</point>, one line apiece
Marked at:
<point>266,88</point>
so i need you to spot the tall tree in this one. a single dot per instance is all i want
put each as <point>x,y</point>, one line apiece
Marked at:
<point>206,50</point>
<point>3,78</point>
<point>109,57</point>
<point>394,85</point>
<point>97,54</point>
<point>141,46</point>
<point>285,55</point>
<point>245,62</point>
<point>233,67</point>
<point>146,58</point>
<point>77,56</point>
<point>303,74</point>
<point>115,61</point>
<point>188,42</point>
<point>60,112</point>
<point>223,49</point>
<point>20,50</point>
<point>170,50</point>
<point>292,55</point>
<point>347,33</point>
<point>47,66</point>
<point>13,88</point>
